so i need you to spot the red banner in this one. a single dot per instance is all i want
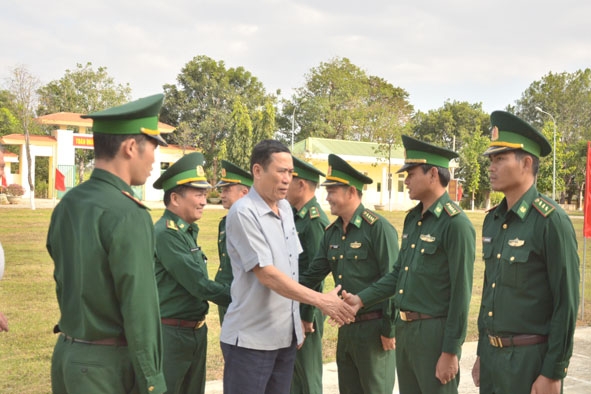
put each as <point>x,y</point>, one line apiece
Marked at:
<point>4,181</point>
<point>60,181</point>
<point>587,199</point>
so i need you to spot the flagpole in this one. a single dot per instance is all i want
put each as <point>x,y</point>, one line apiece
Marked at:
<point>583,279</point>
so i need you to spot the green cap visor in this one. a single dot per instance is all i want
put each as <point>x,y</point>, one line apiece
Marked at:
<point>337,177</point>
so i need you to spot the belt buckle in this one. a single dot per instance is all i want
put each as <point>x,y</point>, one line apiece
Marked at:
<point>404,317</point>
<point>199,324</point>
<point>495,341</point>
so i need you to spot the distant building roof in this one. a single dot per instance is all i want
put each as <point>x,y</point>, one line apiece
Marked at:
<point>324,146</point>
<point>74,119</point>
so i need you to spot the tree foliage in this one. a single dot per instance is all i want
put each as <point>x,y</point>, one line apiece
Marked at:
<point>82,90</point>
<point>340,101</point>
<point>567,98</point>
<point>462,127</point>
<point>219,108</point>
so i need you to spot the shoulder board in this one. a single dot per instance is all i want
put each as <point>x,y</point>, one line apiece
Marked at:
<point>314,213</point>
<point>171,225</point>
<point>451,208</point>
<point>543,206</point>
<point>134,198</point>
<point>491,209</point>
<point>369,216</point>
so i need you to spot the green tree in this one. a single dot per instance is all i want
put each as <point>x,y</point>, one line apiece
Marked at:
<point>567,97</point>
<point>239,143</point>
<point>340,101</point>
<point>462,127</point>
<point>204,99</point>
<point>82,90</point>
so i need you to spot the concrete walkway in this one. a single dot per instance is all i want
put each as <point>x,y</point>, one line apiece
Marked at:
<point>578,380</point>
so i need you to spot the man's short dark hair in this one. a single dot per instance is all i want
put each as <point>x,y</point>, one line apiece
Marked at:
<point>520,154</point>
<point>180,189</point>
<point>444,175</point>
<point>106,146</point>
<point>261,154</point>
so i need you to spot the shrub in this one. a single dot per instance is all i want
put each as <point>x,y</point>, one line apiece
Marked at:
<point>14,189</point>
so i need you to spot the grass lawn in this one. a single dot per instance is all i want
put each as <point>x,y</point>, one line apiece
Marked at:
<point>27,296</point>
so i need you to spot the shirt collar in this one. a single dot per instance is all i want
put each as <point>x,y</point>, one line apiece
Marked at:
<point>180,223</point>
<point>112,179</point>
<point>304,210</point>
<point>522,206</point>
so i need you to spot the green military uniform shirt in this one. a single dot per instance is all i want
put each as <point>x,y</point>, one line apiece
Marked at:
<point>357,258</point>
<point>531,277</point>
<point>310,223</point>
<point>433,274</point>
<point>181,271</point>
<point>224,274</point>
<point>101,240</point>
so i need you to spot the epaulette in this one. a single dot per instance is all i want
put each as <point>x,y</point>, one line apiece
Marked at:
<point>451,208</point>
<point>134,198</point>
<point>369,216</point>
<point>314,213</point>
<point>171,225</point>
<point>543,206</point>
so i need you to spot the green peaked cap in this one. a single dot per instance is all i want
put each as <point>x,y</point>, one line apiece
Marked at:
<point>307,171</point>
<point>136,117</point>
<point>418,153</point>
<point>188,171</point>
<point>510,132</point>
<point>234,175</point>
<point>342,173</point>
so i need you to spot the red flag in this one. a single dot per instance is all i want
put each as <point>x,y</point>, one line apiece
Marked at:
<point>587,221</point>
<point>4,183</point>
<point>460,191</point>
<point>60,181</point>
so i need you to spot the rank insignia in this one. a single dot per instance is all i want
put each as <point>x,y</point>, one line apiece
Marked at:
<point>369,217</point>
<point>314,213</point>
<point>134,198</point>
<point>494,133</point>
<point>355,245</point>
<point>171,225</point>
<point>543,206</point>
<point>451,209</point>
<point>427,238</point>
<point>516,243</point>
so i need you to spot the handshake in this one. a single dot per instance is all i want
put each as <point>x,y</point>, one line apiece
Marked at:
<point>341,310</point>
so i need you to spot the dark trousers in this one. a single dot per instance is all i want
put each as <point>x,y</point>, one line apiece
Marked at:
<point>250,371</point>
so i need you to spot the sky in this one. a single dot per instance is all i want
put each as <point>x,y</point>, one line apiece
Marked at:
<point>485,52</point>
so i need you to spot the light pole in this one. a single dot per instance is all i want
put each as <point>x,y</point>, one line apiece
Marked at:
<point>553,153</point>
<point>293,126</point>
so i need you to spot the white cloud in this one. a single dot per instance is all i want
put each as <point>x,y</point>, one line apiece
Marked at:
<point>437,50</point>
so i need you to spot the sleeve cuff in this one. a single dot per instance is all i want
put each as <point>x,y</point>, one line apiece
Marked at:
<point>156,384</point>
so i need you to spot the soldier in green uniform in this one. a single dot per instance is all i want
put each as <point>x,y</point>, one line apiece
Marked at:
<point>234,184</point>
<point>432,279</point>
<point>181,273</point>
<point>101,239</point>
<point>358,248</point>
<point>530,295</point>
<point>310,221</point>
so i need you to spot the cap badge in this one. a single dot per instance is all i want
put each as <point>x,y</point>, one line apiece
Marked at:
<point>224,172</point>
<point>494,133</point>
<point>200,171</point>
<point>329,172</point>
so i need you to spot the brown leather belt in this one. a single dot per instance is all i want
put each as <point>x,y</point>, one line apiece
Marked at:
<point>104,342</point>
<point>368,316</point>
<point>411,316</point>
<point>517,340</point>
<point>194,324</point>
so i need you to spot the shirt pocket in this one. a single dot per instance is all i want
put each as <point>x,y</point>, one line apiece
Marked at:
<point>515,266</point>
<point>430,260</point>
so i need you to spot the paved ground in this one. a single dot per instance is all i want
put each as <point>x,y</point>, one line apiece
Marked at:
<point>578,380</point>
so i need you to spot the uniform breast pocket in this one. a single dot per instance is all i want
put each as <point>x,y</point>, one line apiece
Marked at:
<point>430,258</point>
<point>515,266</point>
<point>357,254</point>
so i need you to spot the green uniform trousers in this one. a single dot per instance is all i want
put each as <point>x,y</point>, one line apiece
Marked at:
<point>307,372</point>
<point>510,370</point>
<point>92,369</point>
<point>185,353</point>
<point>364,367</point>
<point>418,348</point>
